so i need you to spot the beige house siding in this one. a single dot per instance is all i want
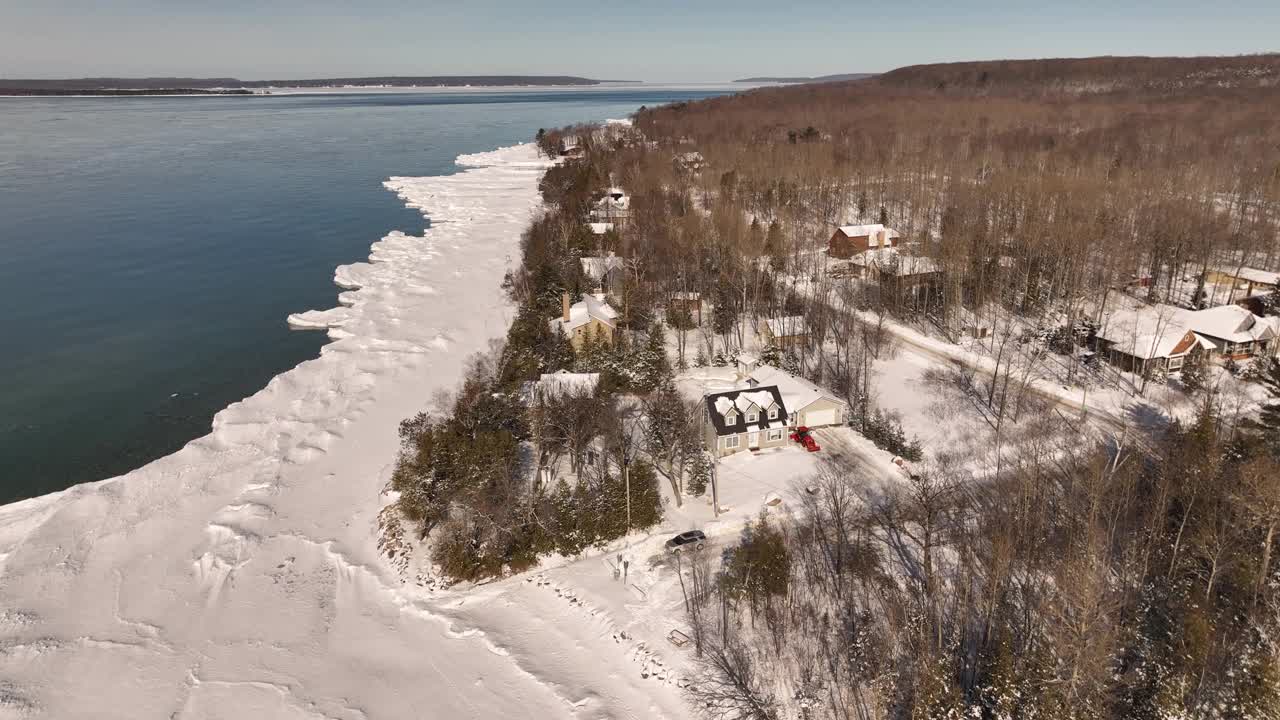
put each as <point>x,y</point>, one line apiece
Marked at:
<point>782,342</point>
<point>818,406</point>
<point>720,447</point>
<point>602,332</point>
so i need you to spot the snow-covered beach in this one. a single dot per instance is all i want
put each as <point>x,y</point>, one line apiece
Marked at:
<point>240,576</point>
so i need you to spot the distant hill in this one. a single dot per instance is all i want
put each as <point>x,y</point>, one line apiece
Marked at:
<point>818,79</point>
<point>1091,75</point>
<point>104,85</point>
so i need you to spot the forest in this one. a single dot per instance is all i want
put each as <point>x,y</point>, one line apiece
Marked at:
<point>1125,573</point>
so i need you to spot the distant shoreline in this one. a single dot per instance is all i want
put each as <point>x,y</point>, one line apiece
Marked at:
<point>234,86</point>
<point>55,92</point>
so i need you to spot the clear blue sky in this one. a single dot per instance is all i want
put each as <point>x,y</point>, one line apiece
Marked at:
<point>657,40</point>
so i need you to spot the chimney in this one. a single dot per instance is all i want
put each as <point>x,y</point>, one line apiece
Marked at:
<point>564,304</point>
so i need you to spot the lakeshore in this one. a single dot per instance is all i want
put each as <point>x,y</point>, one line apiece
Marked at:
<point>242,571</point>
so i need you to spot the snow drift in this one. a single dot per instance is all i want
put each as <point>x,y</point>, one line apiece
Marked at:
<point>239,577</point>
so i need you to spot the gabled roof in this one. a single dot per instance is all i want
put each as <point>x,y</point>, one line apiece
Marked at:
<point>581,313</point>
<point>740,402</point>
<point>797,393</point>
<point>596,268</point>
<point>866,230</point>
<point>1154,331</point>
<point>787,326</point>
<point>892,262</point>
<point>1231,323</point>
<point>1146,333</point>
<point>566,383</point>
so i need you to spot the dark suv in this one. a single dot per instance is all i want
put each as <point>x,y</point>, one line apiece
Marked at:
<point>693,537</point>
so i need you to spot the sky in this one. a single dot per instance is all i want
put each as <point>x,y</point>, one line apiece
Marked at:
<point>652,40</point>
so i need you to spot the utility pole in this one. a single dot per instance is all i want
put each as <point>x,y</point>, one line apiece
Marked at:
<point>715,487</point>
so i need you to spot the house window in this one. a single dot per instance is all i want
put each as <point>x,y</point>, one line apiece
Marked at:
<point>731,418</point>
<point>732,441</point>
<point>775,435</point>
<point>1175,363</point>
<point>773,412</point>
<point>752,417</point>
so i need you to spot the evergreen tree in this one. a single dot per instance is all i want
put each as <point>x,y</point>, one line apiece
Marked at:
<point>775,247</point>
<point>884,216</point>
<point>757,237</point>
<point>1193,372</point>
<point>699,474</point>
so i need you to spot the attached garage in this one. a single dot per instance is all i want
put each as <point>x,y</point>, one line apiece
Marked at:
<point>819,417</point>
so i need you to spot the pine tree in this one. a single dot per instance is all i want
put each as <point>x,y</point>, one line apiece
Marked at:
<point>699,474</point>
<point>1193,372</point>
<point>775,247</point>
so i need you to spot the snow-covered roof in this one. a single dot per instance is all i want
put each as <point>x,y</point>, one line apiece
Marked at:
<point>889,260</point>
<point>1253,275</point>
<point>1146,333</point>
<point>561,383</point>
<point>787,326</point>
<point>596,268</point>
<point>614,198</point>
<point>600,228</point>
<point>735,404</point>
<point>1231,323</point>
<point>797,393</point>
<point>866,230</point>
<point>581,313</point>
<point>686,295</point>
<point>1154,331</point>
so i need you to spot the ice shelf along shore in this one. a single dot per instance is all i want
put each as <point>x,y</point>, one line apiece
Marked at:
<point>239,577</point>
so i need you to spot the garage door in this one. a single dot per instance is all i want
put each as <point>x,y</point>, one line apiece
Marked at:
<point>818,418</point>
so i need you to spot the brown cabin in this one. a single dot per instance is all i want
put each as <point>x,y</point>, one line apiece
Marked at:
<point>850,240</point>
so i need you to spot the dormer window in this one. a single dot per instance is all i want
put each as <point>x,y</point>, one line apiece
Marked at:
<point>731,418</point>
<point>773,412</point>
<point>752,417</point>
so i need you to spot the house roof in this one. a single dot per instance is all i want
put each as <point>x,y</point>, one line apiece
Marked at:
<point>564,382</point>
<point>1231,323</point>
<point>1154,331</point>
<point>600,228</point>
<point>681,295</point>
<point>797,393</point>
<point>787,326</point>
<point>866,230</point>
<point>1254,275</point>
<point>740,401</point>
<point>1146,333</point>
<point>581,313</point>
<point>614,198</point>
<point>596,268</point>
<point>889,260</point>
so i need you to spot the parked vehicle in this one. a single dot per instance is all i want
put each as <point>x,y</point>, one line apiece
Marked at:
<point>696,538</point>
<point>802,436</point>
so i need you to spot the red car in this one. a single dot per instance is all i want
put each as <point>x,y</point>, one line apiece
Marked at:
<point>802,436</point>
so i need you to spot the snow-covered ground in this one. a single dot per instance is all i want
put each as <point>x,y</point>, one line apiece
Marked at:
<point>240,577</point>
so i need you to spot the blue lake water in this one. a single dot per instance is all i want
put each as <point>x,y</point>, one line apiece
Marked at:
<point>151,248</point>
